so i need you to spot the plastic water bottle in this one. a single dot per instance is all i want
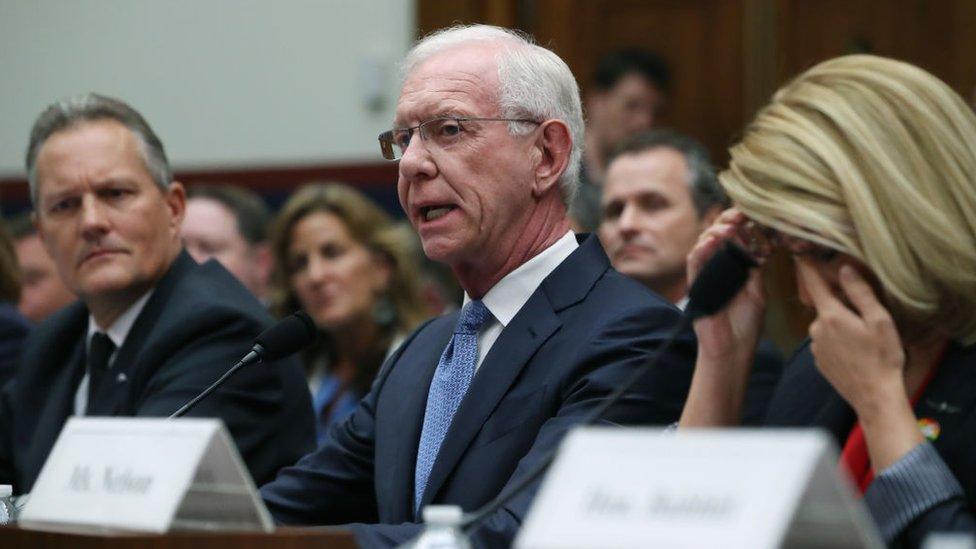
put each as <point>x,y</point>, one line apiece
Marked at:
<point>8,514</point>
<point>443,529</point>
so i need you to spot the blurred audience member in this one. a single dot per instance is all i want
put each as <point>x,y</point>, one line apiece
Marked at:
<point>629,90</point>
<point>230,224</point>
<point>13,326</point>
<point>659,195</point>
<point>339,257</point>
<point>42,290</point>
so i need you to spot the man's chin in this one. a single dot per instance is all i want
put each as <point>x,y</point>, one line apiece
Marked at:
<point>107,284</point>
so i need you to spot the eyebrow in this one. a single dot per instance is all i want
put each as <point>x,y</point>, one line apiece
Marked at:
<point>448,113</point>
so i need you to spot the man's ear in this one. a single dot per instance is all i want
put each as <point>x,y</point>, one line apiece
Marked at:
<point>175,196</point>
<point>554,147</point>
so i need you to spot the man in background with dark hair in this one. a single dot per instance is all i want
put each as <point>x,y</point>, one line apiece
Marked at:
<point>660,193</point>
<point>42,290</point>
<point>230,224</point>
<point>628,93</point>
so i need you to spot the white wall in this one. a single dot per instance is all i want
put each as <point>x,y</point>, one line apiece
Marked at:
<point>225,83</point>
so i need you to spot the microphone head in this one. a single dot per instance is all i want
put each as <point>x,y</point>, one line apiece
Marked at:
<point>723,275</point>
<point>290,335</point>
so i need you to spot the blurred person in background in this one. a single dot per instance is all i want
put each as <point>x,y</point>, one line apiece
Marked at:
<point>864,169</point>
<point>630,87</point>
<point>42,290</point>
<point>230,224</point>
<point>13,326</point>
<point>339,257</point>
<point>659,195</point>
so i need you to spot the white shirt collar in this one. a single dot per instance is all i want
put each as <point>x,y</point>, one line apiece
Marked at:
<point>682,303</point>
<point>506,297</point>
<point>119,329</point>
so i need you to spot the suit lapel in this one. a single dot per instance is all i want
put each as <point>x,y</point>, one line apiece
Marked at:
<point>518,342</point>
<point>113,392</point>
<point>405,399</point>
<point>530,328</point>
<point>950,399</point>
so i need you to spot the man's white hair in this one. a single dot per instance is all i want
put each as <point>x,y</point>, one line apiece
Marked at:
<point>534,83</point>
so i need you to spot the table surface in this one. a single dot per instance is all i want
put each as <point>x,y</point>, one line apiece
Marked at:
<point>12,537</point>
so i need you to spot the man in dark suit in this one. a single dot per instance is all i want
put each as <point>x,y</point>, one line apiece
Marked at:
<point>660,193</point>
<point>488,132</point>
<point>152,327</point>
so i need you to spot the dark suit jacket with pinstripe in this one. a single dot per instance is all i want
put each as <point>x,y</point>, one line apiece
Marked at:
<point>804,398</point>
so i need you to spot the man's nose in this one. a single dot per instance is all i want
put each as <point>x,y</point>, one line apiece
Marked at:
<point>629,218</point>
<point>94,218</point>
<point>416,162</point>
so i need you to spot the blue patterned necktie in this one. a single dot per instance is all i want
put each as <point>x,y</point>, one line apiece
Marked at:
<point>451,380</point>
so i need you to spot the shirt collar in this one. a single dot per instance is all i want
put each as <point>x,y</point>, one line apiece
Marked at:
<point>506,297</point>
<point>119,329</point>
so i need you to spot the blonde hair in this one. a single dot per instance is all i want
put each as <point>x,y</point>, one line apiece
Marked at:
<point>875,158</point>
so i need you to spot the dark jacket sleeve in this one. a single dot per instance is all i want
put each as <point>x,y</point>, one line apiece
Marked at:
<point>339,473</point>
<point>266,407</point>
<point>917,496</point>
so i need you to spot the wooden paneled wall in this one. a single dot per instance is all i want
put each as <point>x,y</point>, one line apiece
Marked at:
<point>729,56</point>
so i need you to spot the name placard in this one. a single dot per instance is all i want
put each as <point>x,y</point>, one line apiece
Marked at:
<point>702,488</point>
<point>145,475</point>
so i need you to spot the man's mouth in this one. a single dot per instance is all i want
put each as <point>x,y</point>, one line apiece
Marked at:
<point>94,254</point>
<point>432,213</point>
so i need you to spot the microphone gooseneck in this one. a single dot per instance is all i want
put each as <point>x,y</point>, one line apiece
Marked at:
<point>288,336</point>
<point>721,278</point>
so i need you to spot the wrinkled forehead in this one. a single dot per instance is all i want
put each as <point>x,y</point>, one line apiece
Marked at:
<point>462,80</point>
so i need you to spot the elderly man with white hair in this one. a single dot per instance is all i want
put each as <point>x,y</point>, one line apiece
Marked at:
<point>488,132</point>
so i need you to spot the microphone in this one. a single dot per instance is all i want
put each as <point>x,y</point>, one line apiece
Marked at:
<point>724,274</point>
<point>288,336</point>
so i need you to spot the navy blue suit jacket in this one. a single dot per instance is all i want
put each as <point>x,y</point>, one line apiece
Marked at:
<point>575,340</point>
<point>13,332</point>
<point>804,398</point>
<point>198,322</point>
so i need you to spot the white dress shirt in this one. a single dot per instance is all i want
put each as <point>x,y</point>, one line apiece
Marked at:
<point>506,298</point>
<point>117,332</point>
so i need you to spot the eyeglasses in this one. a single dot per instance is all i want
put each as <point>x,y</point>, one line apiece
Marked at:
<point>762,241</point>
<point>444,132</point>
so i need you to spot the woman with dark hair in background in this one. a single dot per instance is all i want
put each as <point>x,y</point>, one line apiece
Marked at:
<point>864,169</point>
<point>340,258</point>
<point>13,326</point>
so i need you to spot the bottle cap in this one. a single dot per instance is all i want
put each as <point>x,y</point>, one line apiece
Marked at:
<point>449,515</point>
<point>6,490</point>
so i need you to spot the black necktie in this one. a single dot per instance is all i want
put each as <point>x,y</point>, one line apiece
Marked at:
<point>100,349</point>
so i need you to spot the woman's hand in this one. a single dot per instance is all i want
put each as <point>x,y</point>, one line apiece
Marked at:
<point>857,347</point>
<point>727,340</point>
<point>734,331</point>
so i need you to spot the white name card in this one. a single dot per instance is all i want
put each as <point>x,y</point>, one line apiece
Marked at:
<point>616,487</point>
<point>145,475</point>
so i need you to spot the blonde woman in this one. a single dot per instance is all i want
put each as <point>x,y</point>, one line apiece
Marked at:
<point>863,168</point>
<point>339,257</point>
